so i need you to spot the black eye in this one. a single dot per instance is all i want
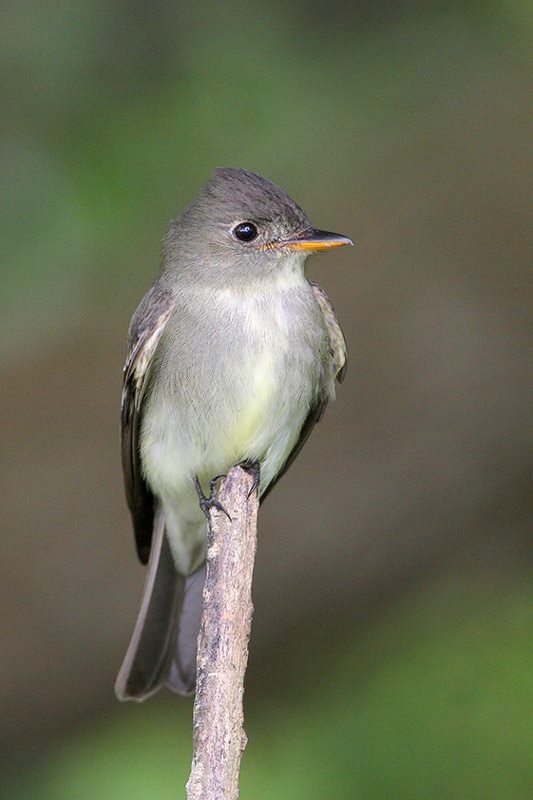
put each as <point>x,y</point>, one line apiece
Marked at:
<point>245,231</point>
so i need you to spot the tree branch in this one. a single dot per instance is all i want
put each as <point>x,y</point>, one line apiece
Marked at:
<point>219,737</point>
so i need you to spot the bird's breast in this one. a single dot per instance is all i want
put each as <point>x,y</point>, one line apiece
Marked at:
<point>231,383</point>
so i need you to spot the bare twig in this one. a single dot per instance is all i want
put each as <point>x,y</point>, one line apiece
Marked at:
<point>219,737</point>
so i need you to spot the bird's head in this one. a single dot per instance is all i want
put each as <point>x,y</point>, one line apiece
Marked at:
<point>246,227</point>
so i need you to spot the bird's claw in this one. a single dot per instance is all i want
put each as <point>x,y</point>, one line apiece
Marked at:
<point>208,503</point>
<point>252,468</point>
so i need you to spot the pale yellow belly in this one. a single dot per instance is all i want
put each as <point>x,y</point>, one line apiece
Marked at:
<point>247,429</point>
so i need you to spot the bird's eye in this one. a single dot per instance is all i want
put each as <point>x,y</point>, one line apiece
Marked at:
<point>245,231</point>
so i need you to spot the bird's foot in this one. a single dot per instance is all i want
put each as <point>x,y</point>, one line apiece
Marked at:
<point>208,503</point>
<point>253,468</point>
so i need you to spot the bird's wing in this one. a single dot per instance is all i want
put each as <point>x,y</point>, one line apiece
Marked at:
<point>337,342</point>
<point>338,353</point>
<point>145,331</point>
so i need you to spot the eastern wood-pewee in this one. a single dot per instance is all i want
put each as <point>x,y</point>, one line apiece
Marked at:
<point>232,358</point>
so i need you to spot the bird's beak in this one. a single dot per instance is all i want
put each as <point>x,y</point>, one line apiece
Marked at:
<point>312,239</point>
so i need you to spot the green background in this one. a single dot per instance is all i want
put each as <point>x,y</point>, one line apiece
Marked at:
<point>389,656</point>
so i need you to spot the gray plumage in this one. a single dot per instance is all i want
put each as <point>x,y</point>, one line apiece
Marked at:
<point>232,357</point>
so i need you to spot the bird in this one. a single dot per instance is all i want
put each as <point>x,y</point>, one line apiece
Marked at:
<point>232,357</point>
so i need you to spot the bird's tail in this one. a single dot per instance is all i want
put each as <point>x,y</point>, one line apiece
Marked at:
<point>162,650</point>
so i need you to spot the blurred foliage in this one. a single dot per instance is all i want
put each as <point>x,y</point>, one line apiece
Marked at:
<point>432,703</point>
